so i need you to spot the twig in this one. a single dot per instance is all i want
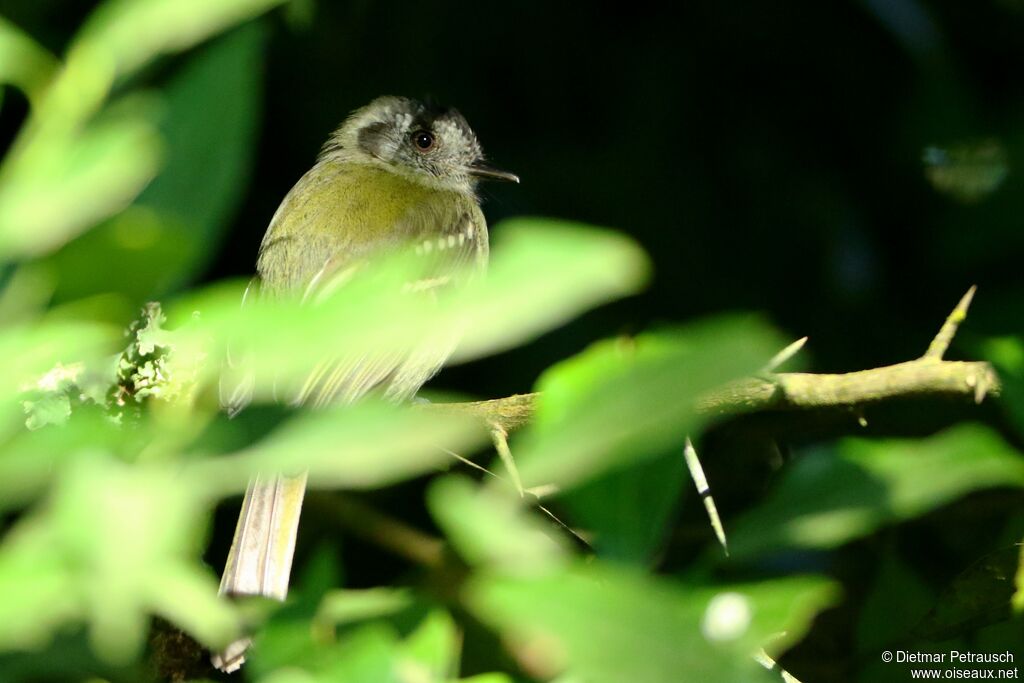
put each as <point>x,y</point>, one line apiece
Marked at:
<point>382,530</point>
<point>500,438</point>
<point>793,391</point>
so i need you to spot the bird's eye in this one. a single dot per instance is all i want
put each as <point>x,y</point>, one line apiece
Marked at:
<point>424,140</point>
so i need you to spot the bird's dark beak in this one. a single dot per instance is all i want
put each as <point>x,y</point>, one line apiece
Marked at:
<point>485,172</point>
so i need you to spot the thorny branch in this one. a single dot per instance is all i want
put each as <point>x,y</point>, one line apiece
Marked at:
<point>927,376</point>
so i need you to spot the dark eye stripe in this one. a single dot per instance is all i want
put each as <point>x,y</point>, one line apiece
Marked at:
<point>371,139</point>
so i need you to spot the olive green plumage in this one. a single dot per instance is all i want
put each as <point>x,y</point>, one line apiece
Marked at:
<point>397,175</point>
<point>342,212</point>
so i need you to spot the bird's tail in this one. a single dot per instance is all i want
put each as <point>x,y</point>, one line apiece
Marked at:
<point>260,559</point>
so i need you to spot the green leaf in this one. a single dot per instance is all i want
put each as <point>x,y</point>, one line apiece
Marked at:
<point>431,652</point>
<point>895,603</point>
<point>489,526</point>
<point>54,191</point>
<point>23,62</point>
<point>366,445</point>
<point>367,655</point>
<point>72,165</point>
<point>1007,355</point>
<point>210,126</point>
<point>627,400</point>
<point>626,513</point>
<point>826,499</point>
<point>168,26</point>
<point>283,343</point>
<point>543,272</point>
<point>606,625</point>
<point>115,545</point>
<point>345,606</point>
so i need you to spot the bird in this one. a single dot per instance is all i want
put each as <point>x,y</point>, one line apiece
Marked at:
<point>397,175</point>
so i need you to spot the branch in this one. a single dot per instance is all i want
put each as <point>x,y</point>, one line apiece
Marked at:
<point>925,377</point>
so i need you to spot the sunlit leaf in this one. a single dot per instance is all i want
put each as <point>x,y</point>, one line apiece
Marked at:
<point>367,655</point>
<point>23,62</point>
<point>431,651</point>
<point>1007,355</point>
<point>609,625</point>
<point>826,499</point>
<point>132,32</point>
<point>490,526</point>
<point>344,606</point>
<point>623,401</point>
<point>278,345</point>
<point>361,446</point>
<point>544,272</point>
<point>119,544</point>
<point>212,109</point>
<point>53,191</point>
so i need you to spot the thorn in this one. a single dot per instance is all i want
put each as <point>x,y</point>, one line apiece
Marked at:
<point>981,387</point>
<point>784,355</point>
<point>500,438</point>
<point>701,482</point>
<point>937,349</point>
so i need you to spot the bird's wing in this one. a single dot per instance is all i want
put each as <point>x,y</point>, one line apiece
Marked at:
<point>453,252</point>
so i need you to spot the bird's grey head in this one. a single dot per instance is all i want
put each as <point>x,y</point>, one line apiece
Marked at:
<point>431,145</point>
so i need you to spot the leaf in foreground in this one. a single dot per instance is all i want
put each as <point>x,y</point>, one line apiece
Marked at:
<point>827,499</point>
<point>607,625</point>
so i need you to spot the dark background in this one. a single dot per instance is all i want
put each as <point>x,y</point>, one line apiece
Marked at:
<point>768,156</point>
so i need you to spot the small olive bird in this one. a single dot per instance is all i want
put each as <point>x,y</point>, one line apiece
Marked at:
<point>396,175</point>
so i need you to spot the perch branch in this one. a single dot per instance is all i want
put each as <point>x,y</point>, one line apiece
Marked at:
<point>928,376</point>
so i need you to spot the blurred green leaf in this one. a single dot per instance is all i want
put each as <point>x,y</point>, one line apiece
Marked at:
<point>827,499</point>
<point>57,191</point>
<point>282,343</point>
<point>130,33</point>
<point>66,172</point>
<point>1018,581</point>
<point>361,446</point>
<point>1007,355</point>
<point>344,606</point>
<point>612,625</point>
<point>626,514</point>
<point>968,172</point>
<point>23,62</point>
<point>116,544</point>
<point>431,652</point>
<point>897,600</point>
<point>489,526</point>
<point>543,272</point>
<point>367,655</point>
<point>626,400</point>
<point>209,125</point>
